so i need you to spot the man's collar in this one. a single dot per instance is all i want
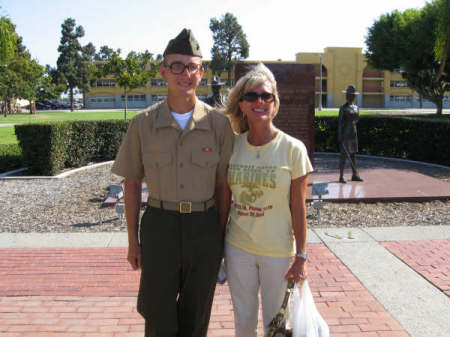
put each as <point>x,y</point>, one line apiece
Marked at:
<point>199,118</point>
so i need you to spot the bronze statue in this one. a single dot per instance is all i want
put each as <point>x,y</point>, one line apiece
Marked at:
<point>347,135</point>
<point>216,99</point>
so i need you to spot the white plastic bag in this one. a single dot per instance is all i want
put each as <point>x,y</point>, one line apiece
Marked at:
<point>306,321</point>
<point>222,276</point>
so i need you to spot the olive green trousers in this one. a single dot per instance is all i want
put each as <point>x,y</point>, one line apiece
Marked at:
<point>181,256</point>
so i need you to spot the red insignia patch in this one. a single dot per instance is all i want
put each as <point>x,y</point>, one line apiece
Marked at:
<point>207,149</point>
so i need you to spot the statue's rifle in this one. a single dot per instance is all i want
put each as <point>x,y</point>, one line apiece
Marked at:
<point>349,157</point>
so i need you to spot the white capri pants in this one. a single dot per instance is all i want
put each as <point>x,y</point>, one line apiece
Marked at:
<point>246,274</point>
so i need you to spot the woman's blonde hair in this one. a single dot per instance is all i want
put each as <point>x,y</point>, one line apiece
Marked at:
<point>258,75</point>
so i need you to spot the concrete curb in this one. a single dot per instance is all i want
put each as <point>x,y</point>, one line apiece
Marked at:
<point>400,160</point>
<point>59,176</point>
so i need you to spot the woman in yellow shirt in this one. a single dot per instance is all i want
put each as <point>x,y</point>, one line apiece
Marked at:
<point>266,235</point>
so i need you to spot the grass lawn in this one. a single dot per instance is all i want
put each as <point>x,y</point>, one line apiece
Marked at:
<point>335,113</point>
<point>420,116</point>
<point>53,116</point>
<point>7,135</point>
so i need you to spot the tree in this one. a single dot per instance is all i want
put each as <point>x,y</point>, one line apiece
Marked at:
<point>21,76</point>
<point>442,44</point>
<point>129,73</point>
<point>87,70</point>
<point>74,61</point>
<point>10,86</point>
<point>18,74</point>
<point>230,44</point>
<point>407,41</point>
<point>8,39</point>
<point>104,54</point>
<point>46,87</point>
<point>31,72</point>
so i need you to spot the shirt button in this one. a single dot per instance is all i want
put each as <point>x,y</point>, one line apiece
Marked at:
<point>181,186</point>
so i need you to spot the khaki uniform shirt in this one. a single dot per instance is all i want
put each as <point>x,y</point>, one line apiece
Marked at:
<point>178,165</point>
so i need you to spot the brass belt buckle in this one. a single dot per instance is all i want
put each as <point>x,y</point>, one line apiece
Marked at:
<point>185,207</point>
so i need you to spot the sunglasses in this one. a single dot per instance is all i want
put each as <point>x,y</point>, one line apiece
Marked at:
<point>178,67</point>
<point>253,97</point>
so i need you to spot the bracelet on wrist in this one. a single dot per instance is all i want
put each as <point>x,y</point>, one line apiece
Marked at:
<point>303,256</point>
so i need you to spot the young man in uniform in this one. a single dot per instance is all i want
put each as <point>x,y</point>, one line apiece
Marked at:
<point>182,148</point>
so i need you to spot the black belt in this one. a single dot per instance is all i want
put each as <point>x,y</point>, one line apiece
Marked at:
<point>183,207</point>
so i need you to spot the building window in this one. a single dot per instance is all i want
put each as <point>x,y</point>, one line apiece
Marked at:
<point>204,82</point>
<point>399,99</point>
<point>158,98</point>
<point>105,84</point>
<point>399,84</point>
<point>100,99</point>
<point>159,83</point>
<point>134,98</point>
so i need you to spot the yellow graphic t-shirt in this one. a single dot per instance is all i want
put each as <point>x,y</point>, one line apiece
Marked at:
<point>260,179</point>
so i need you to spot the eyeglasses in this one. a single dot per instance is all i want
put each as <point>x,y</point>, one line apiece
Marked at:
<point>253,97</point>
<point>178,67</point>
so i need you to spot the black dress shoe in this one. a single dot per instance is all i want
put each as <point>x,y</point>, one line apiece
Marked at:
<point>356,178</point>
<point>341,180</point>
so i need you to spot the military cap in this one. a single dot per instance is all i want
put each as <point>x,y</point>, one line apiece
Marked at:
<point>185,43</point>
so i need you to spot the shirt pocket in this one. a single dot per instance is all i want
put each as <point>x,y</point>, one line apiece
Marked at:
<point>156,165</point>
<point>204,165</point>
<point>156,160</point>
<point>205,159</point>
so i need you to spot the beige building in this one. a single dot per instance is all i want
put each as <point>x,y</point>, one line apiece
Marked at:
<point>106,94</point>
<point>343,66</point>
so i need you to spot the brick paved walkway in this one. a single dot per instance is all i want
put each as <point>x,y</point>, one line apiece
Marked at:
<point>430,258</point>
<point>90,292</point>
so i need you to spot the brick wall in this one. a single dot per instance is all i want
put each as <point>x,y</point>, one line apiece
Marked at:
<point>296,90</point>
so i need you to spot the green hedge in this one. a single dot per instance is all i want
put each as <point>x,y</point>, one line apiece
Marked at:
<point>421,140</point>
<point>10,157</point>
<point>48,148</point>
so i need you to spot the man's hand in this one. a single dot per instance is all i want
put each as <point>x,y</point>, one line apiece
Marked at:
<point>135,256</point>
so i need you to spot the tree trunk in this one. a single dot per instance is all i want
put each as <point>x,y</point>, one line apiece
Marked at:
<point>420,101</point>
<point>443,61</point>
<point>32,107</point>
<point>126,99</point>
<point>71,98</point>
<point>439,107</point>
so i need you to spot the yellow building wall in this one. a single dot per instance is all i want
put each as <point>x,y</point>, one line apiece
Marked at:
<point>157,90</point>
<point>344,66</point>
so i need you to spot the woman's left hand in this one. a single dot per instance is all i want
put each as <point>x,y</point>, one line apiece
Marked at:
<point>297,271</point>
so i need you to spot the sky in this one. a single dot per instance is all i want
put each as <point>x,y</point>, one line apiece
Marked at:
<point>275,29</point>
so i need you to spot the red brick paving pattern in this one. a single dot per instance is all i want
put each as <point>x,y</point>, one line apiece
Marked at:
<point>90,292</point>
<point>430,258</point>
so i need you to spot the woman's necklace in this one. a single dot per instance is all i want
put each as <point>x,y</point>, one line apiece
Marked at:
<point>251,142</point>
